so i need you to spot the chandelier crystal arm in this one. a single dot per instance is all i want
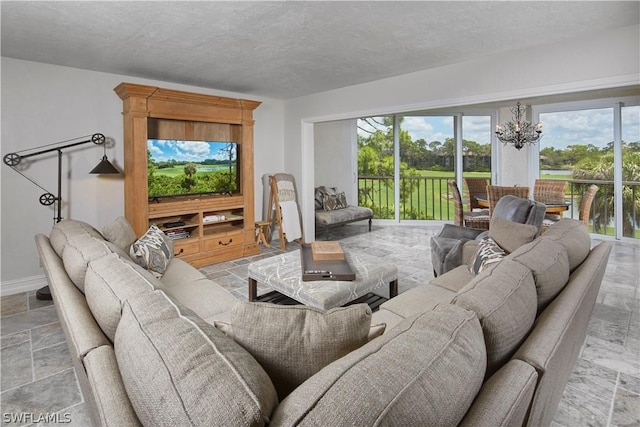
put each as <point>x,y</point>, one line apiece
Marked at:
<point>519,132</point>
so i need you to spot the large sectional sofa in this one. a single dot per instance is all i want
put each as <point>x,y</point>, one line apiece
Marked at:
<point>492,349</point>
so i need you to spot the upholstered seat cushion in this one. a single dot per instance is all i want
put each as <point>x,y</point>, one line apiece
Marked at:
<point>426,371</point>
<point>179,370</point>
<point>505,301</point>
<point>454,280</point>
<point>189,287</point>
<point>347,214</point>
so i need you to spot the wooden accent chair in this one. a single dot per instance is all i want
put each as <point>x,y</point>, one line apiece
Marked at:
<point>496,192</point>
<point>479,219</point>
<point>474,187</point>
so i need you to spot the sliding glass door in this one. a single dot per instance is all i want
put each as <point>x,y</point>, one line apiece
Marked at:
<point>404,162</point>
<point>601,146</point>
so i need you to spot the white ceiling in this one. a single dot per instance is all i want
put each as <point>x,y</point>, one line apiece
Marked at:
<point>289,49</point>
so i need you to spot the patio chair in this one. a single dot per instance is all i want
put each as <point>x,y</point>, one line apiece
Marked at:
<point>477,219</point>
<point>474,187</point>
<point>550,191</point>
<point>583,211</point>
<point>496,192</point>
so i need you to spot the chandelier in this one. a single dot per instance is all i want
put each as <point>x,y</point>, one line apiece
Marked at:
<point>519,132</point>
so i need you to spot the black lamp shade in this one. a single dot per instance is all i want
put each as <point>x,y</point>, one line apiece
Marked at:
<point>105,166</point>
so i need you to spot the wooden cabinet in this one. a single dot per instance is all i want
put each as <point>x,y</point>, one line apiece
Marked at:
<point>220,227</point>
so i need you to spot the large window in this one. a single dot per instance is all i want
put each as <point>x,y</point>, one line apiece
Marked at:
<point>404,162</point>
<point>588,144</point>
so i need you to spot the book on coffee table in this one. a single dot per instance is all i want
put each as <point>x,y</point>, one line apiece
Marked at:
<point>324,251</point>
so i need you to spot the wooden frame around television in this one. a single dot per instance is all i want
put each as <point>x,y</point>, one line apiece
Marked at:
<point>153,112</point>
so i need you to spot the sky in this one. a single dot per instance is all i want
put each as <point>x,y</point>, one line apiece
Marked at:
<point>186,150</point>
<point>558,129</point>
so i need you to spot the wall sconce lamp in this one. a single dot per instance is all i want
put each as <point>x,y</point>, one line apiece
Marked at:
<point>47,199</point>
<point>519,132</point>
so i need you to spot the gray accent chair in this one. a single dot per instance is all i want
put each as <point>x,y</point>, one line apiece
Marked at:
<point>447,246</point>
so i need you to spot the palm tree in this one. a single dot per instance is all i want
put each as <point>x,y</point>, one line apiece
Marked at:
<point>600,168</point>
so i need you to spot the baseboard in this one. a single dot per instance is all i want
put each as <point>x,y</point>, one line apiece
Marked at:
<point>10,287</point>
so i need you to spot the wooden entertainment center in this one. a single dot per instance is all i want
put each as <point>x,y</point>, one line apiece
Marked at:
<point>152,112</point>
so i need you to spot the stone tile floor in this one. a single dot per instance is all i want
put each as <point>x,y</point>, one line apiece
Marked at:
<point>37,376</point>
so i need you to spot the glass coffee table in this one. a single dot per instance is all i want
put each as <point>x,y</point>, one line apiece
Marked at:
<point>284,274</point>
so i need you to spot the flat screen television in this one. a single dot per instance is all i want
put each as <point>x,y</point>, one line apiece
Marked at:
<point>180,167</point>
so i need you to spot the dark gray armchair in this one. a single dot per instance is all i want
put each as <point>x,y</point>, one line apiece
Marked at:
<point>447,246</point>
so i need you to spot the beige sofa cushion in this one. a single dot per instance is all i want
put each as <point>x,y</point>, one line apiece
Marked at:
<point>573,235</point>
<point>189,287</point>
<point>505,301</point>
<point>179,370</point>
<point>293,342</point>
<point>549,263</point>
<point>67,228</point>
<point>120,233</point>
<point>452,280</point>
<point>78,252</point>
<point>109,282</point>
<point>426,371</point>
<point>511,235</point>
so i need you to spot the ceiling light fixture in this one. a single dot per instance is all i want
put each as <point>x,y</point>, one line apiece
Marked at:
<point>519,132</point>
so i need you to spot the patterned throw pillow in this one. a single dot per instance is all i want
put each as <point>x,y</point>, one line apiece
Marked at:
<point>152,251</point>
<point>331,202</point>
<point>488,253</point>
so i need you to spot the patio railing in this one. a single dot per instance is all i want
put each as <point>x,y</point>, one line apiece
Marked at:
<point>427,198</point>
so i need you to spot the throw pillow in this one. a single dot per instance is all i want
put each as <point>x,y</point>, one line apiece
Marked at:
<point>152,251</point>
<point>511,235</point>
<point>489,252</point>
<point>331,202</point>
<point>294,342</point>
<point>120,233</point>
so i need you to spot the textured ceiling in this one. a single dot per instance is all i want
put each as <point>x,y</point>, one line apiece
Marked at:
<point>289,49</point>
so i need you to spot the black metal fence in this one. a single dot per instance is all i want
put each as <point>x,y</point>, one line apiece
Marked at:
<point>427,198</point>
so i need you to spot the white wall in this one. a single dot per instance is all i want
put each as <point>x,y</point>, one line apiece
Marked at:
<point>43,104</point>
<point>608,60</point>
<point>334,149</point>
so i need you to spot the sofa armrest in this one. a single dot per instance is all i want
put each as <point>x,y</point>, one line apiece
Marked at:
<point>458,232</point>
